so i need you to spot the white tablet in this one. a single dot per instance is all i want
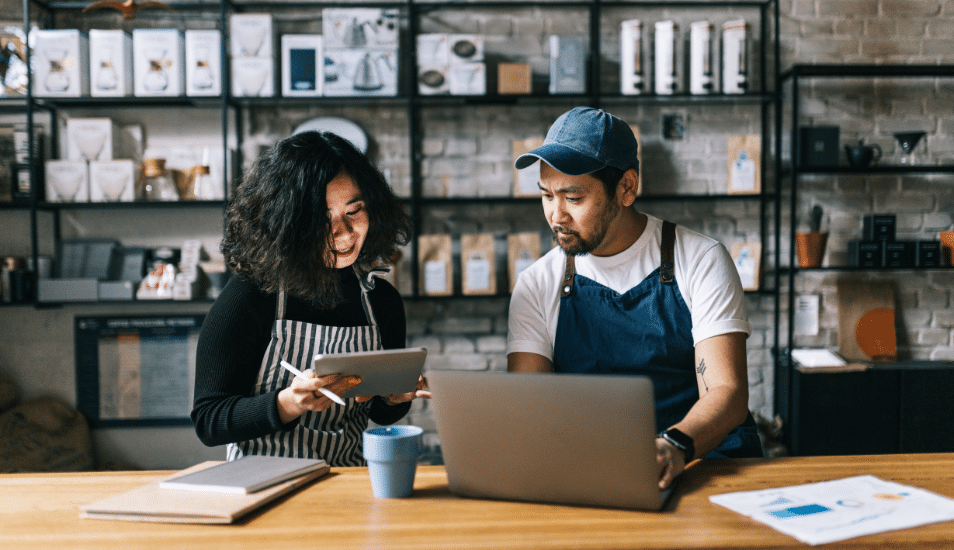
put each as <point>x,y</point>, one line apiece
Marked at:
<point>382,372</point>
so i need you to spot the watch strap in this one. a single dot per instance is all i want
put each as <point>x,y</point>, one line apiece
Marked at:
<point>680,441</point>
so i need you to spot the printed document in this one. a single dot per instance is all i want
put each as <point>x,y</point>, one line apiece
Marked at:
<point>829,511</point>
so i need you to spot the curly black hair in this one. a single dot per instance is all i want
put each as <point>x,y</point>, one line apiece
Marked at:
<point>277,228</point>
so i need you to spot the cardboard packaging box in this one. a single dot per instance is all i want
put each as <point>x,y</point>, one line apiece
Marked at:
<point>433,64</point>
<point>110,63</point>
<point>701,80</point>
<point>879,227</point>
<point>358,28</point>
<point>203,63</point>
<point>468,79</point>
<point>465,48</point>
<point>91,139</point>
<point>61,64</point>
<point>67,181</point>
<point>360,72</point>
<point>899,254</point>
<point>253,77</point>
<point>735,57</point>
<point>929,254</point>
<point>665,79</point>
<point>514,78</point>
<point>68,290</point>
<point>866,253</point>
<point>818,146</point>
<point>632,73</point>
<point>567,64</point>
<point>303,64</point>
<point>158,65</point>
<point>116,290</point>
<point>112,180</point>
<point>251,35</point>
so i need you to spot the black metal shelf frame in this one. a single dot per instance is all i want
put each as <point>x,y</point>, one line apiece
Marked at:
<point>234,108</point>
<point>792,171</point>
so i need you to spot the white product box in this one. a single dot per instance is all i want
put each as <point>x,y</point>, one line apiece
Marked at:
<point>181,160</point>
<point>701,80</point>
<point>110,63</point>
<point>157,63</point>
<point>303,65</point>
<point>735,66</point>
<point>67,181</point>
<point>465,48</point>
<point>433,64</point>
<point>632,79</point>
<point>375,28</point>
<point>250,35</point>
<point>567,64</point>
<point>90,139</point>
<point>203,63</point>
<point>433,79</point>
<point>468,79</point>
<point>112,180</point>
<point>664,61</point>
<point>360,73</point>
<point>433,49</point>
<point>253,77</point>
<point>62,63</point>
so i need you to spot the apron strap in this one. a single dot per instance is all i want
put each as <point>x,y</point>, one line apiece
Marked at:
<point>280,305</point>
<point>667,253</point>
<point>566,285</point>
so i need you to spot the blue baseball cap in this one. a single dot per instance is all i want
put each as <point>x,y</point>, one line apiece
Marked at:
<point>584,140</point>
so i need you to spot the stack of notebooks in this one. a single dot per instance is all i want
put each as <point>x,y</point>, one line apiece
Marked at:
<point>211,492</point>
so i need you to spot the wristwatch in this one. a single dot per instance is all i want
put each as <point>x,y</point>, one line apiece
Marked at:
<point>680,441</point>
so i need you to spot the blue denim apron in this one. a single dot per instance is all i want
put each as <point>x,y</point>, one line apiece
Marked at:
<point>646,331</point>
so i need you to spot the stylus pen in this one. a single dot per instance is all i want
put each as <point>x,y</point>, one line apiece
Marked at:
<point>328,393</point>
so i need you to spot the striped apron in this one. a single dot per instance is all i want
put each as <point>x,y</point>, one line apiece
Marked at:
<point>335,433</point>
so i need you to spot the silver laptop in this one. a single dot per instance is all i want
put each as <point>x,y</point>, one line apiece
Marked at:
<point>557,438</point>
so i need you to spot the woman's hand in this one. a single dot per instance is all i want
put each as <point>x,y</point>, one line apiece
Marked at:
<point>398,398</point>
<point>303,395</point>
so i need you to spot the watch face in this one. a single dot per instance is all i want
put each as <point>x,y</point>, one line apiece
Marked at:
<point>681,439</point>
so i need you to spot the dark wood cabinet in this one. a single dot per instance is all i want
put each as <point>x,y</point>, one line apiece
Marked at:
<point>903,408</point>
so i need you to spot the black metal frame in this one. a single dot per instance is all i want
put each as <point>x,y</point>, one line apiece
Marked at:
<point>784,400</point>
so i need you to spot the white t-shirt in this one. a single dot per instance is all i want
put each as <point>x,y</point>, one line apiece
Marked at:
<point>705,274</point>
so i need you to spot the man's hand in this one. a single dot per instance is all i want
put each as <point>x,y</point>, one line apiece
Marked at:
<point>670,461</point>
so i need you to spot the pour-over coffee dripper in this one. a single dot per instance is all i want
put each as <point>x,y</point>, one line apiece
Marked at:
<point>106,77</point>
<point>57,78</point>
<point>908,143</point>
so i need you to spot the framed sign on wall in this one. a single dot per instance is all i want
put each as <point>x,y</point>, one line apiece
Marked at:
<point>136,371</point>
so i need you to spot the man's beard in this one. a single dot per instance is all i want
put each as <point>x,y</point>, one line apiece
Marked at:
<point>577,245</point>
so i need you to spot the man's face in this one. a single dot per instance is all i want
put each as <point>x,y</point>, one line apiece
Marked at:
<point>578,210</point>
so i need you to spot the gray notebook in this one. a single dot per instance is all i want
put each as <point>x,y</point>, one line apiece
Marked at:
<point>560,438</point>
<point>246,475</point>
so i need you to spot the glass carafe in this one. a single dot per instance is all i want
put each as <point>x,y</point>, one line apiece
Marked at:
<point>157,185</point>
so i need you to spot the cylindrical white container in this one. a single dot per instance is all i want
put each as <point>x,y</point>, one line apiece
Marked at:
<point>665,58</point>
<point>701,80</point>
<point>735,59</point>
<point>632,76</point>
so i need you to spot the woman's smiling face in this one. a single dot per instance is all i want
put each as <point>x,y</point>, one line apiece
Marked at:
<point>348,214</point>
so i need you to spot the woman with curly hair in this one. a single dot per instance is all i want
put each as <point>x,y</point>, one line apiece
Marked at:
<point>305,228</point>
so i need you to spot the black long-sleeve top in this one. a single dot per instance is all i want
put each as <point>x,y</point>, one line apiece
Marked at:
<point>232,344</point>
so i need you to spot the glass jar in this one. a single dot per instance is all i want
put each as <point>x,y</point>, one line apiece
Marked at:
<point>157,184</point>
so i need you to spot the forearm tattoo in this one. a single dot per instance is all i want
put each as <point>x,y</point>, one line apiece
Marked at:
<point>701,371</point>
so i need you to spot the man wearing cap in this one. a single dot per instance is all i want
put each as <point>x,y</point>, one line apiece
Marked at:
<point>628,293</point>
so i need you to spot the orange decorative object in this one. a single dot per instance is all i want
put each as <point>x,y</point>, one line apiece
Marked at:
<point>875,335</point>
<point>129,8</point>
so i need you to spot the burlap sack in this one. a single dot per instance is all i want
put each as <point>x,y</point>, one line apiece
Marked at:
<point>44,435</point>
